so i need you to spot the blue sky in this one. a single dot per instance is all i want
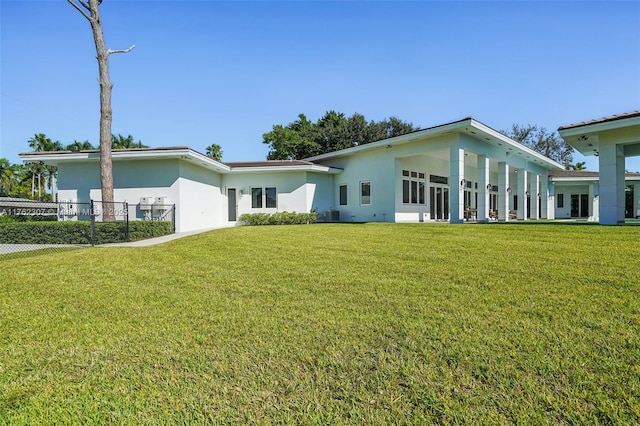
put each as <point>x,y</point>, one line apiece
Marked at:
<point>208,72</point>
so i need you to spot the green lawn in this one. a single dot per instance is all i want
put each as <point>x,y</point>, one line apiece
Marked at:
<point>329,324</point>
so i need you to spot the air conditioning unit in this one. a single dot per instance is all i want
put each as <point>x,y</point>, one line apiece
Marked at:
<point>161,201</point>
<point>146,203</point>
<point>332,216</point>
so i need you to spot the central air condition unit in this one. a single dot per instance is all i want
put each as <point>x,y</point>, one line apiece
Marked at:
<point>332,216</point>
<point>161,204</point>
<point>146,203</point>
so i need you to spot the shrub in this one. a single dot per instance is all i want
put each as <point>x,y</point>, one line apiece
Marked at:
<point>278,218</point>
<point>79,232</point>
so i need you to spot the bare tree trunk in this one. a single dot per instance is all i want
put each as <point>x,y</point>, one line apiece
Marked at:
<point>91,12</point>
<point>106,164</point>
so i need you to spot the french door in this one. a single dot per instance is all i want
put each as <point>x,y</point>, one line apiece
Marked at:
<point>439,202</point>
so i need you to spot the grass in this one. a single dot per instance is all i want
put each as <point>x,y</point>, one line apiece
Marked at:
<point>329,324</point>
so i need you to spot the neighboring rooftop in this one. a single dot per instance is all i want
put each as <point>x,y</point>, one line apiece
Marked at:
<point>268,163</point>
<point>602,120</point>
<point>582,174</point>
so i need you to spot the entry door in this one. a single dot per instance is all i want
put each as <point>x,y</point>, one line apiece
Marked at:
<point>584,205</point>
<point>231,197</point>
<point>579,205</point>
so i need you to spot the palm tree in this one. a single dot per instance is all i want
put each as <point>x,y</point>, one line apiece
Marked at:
<point>8,177</point>
<point>579,166</point>
<point>79,146</point>
<point>214,151</point>
<point>40,142</point>
<point>120,142</point>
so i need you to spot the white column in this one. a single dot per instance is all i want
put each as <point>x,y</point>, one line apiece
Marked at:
<point>592,195</point>
<point>503,193</point>
<point>522,194</point>
<point>483,192</point>
<point>636,200</point>
<point>611,185</point>
<point>456,189</point>
<point>544,197</point>
<point>534,190</point>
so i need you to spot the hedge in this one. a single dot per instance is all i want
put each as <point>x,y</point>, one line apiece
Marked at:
<point>279,218</point>
<point>79,232</point>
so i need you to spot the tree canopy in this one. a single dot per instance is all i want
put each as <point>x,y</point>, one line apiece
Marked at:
<point>333,131</point>
<point>537,138</point>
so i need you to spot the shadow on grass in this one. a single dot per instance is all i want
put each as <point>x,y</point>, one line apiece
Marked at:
<point>6,254</point>
<point>564,222</point>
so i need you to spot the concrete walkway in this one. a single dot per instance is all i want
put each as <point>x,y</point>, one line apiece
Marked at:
<point>160,240</point>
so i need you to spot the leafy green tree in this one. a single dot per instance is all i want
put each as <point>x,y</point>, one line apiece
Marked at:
<point>293,141</point>
<point>537,138</point>
<point>333,131</point>
<point>120,142</point>
<point>214,151</point>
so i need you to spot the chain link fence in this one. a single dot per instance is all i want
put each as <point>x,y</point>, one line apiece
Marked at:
<point>28,225</point>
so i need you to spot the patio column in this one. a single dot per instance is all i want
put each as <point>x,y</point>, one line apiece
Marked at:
<point>522,194</point>
<point>636,200</point>
<point>611,184</point>
<point>456,188</point>
<point>544,198</point>
<point>534,212</point>
<point>592,199</point>
<point>483,191</point>
<point>503,191</point>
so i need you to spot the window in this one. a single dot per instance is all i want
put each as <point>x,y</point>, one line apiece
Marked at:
<point>439,179</point>
<point>365,193</point>
<point>560,198</point>
<point>271,197</point>
<point>343,195</point>
<point>413,184</point>
<point>256,198</point>
<point>264,197</point>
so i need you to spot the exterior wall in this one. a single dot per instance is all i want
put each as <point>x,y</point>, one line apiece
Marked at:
<point>291,188</point>
<point>565,189</point>
<point>376,167</point>
<point>320,189</point>
<point>200,198</point>
<point>194,190</point>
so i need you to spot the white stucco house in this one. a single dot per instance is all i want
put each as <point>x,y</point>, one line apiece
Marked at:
<point>455,172</point>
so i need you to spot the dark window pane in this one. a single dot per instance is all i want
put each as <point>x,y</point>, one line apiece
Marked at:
<point>405,191</point>
<point>256,198</point>
<point>405,173</point>
<point>414,192</point>
<point>421,193</point>
<point>343,195</point>
<point>272,197</point>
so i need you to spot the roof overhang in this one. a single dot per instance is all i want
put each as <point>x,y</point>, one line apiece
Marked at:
<point>56,158</point>
<point>318,168</point>
<point>469,126</point>
<point>585,137</point>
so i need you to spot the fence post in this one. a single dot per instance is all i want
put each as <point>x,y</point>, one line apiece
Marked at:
<point>92,217</point>
<point>126,220</point>
<point>173,218</point>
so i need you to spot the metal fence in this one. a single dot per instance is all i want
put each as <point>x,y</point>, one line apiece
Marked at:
<point>25,225</point>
